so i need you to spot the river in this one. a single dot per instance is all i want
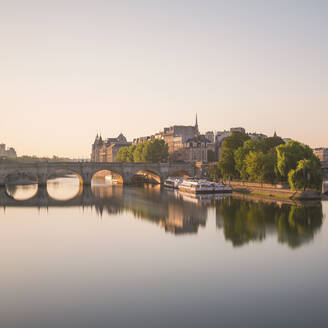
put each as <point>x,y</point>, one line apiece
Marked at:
<point>116,256</point>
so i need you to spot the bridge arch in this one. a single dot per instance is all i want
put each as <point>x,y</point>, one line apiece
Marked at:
<point>20,185</point>
<point>116,177</point>
<point>146,176</point>
<point>63,184</point>
<point>181,173</point>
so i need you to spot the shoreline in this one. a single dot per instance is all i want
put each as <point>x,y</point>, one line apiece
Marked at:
<point>274,191</point>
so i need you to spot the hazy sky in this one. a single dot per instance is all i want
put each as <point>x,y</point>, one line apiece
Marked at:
<point>70,69</point>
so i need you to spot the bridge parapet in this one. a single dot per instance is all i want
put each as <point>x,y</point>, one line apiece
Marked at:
<point>42,171</point>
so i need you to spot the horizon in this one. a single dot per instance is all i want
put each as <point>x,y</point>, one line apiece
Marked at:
<point>70,72</point>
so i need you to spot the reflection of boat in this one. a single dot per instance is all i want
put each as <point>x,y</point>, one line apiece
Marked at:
<point>201,198</point>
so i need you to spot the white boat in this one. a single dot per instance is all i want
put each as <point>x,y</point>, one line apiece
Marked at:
<point>221,187</point>
<point>196,186</point>
<point>173,182</point>
<point>169,182</point>
<point>203,186</point>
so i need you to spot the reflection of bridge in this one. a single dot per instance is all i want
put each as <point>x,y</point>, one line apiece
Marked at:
<point>42,171</point>
<point>164,208</point>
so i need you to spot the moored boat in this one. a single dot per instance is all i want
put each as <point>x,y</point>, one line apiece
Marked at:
<point>169,182</point>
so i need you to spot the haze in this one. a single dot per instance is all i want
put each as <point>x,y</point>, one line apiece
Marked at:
<point>71,69</point>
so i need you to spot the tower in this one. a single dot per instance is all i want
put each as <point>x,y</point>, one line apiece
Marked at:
<point>196,126</point>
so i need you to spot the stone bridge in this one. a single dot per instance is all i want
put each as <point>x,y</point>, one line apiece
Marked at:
<point>42,171</point>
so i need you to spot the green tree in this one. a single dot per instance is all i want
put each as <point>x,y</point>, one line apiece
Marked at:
<point>155,151</point>
<point>271,143</point>
<point>213,172</point>
<point>227,162</point>
<point>240,154</point>
<point>211,156</point>
<point>122,155</point>
<point>289,154</point>
<point>306,175</point>
<point>138,154</point>
<point>260,166</point>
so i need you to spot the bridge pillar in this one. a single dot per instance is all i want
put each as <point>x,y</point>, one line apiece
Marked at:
<point>42,180</point>
<point>86,179</point>
<point>2,180</point>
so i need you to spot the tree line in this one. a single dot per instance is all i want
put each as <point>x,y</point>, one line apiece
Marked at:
<point>268,160</point>
<point>154,151</point>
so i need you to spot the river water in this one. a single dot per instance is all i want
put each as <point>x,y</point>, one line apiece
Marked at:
<point>112,256</point>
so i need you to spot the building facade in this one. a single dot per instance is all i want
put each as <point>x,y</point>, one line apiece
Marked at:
<point>321,153</point>
<point>7,152</point>
<point>106,150</point>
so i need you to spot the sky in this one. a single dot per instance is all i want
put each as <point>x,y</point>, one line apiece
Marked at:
<point>72,69</point>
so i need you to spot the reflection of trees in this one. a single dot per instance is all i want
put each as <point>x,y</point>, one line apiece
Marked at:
<point>300,225</point>
<point>245,221</point>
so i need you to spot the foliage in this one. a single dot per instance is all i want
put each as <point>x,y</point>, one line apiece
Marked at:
<point>153,151</point>
<point>245,221</point>
<point>289,154</point>
<point>33,159</point>
<point>213,172</point>
<point>306,175</point>
<point>260,166</point>
<point>211,156</point>
<point>268,157</point>
<point>230,144</point>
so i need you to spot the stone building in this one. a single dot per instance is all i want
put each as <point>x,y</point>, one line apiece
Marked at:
<point>321,153</point>
<point>106,150</point>
<point>194,150</point>
<point>10,152</point>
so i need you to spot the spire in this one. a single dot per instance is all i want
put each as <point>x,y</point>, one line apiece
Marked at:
<point>196,125</point>
<point>275,134</point>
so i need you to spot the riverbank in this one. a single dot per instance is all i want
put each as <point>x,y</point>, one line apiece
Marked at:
<point>278,191</point>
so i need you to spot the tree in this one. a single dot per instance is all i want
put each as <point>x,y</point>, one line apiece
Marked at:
<point>289,154</point>
<point>211,156</point>
<point>230,144</point>
<point>271,143</point>
<point>138,154</point>
<point>155,151</point>
<point>213,172</point>
<point>260,166</point>
<point>306,175</point>
<point>241,153</point>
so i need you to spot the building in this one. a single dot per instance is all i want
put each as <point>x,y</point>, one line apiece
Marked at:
<point>106,150</point>
<point>321,153</point>
<point>195,149</point>
<point>210,136</point>
<point>10,152</point>
<point>239,129</point>
<point>255,135</point>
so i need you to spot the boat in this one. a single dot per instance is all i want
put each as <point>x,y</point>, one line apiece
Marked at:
<point>203,186</point>
<point>173,182</point>
<point>221,187</point>
<point>196,186</point>
<point>169,182</point>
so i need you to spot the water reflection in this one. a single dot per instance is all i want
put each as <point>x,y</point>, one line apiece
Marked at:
<point>244,221</point>
<point>64,188</point>
<point>21,192</point>
<point>241,221</point>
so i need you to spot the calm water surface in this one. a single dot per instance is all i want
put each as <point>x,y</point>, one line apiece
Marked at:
<point>109,256</point>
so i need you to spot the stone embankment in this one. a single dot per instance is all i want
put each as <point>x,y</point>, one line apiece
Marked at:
<point>273,190</point>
